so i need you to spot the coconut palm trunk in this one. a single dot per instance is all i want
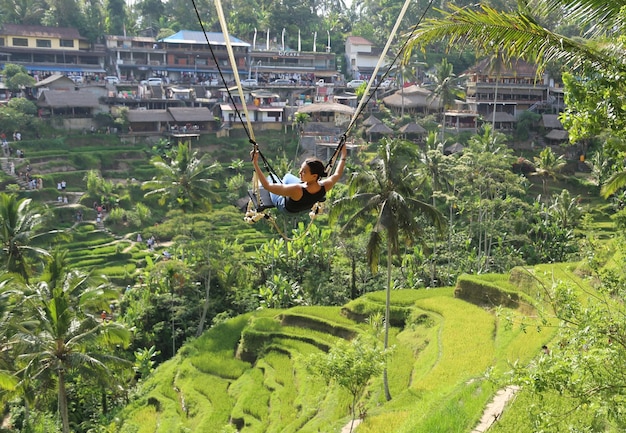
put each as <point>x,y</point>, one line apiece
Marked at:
<point>387,316</point>
<point>63,411</point>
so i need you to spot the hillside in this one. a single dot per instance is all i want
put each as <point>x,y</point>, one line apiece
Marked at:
<point>248,372</point>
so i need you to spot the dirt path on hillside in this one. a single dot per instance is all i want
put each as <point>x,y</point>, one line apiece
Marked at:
<point>494,410</point>
<point>346,428</point>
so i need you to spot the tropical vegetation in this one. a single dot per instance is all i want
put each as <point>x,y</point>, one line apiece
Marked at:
<point>195,332</point>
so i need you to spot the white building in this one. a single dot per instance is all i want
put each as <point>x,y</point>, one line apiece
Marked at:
<point>362,57</point>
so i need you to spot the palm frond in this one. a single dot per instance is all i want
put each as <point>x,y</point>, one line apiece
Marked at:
<point>347,204</point>
<point>515,35</point>
<point>363,213</point>
<point>603,16</point>
<point>7,380</point>
<point>430,212</point>
<point>373,250</point>
<point>614,183</point>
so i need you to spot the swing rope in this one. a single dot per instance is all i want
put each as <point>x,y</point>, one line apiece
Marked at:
<point>367,95</point>
<point>252,215</point>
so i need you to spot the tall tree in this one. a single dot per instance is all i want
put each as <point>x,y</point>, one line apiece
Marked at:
<point>548,166</point>
<point>60,332</point>
<point>437,178</point>
<point>23,11</point>
<point>93,19</point>
<point>183,181</point>
<point>445,84</point>
<point>490,197</point>
<point>385,194</point>
<point>63,13</point>
<point>115,17</point>
<point>150,12</point>
<point>18,224</point>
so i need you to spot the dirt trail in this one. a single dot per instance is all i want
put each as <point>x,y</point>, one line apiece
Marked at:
<point>494,410</point>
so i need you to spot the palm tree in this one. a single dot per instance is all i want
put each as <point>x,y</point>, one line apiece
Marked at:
<point>496,63</point>
<point>18,223</point>
<point>437,177</point>
<point>489,140</point>
<point>183,181</point>
<point>445,84</point>
<point>548,165</point>
<point>385,194</point>
<point>407,68</point>
<point>59,332</point>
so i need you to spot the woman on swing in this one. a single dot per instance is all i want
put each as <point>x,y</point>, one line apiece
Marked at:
<point>297,195</point>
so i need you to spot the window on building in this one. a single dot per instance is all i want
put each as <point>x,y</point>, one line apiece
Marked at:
<point>44,43</point>
<point>20,42</point>
<point>1,42</point>
<point>66,43</point>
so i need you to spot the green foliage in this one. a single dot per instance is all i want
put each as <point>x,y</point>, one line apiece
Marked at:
<point>362,308</point>
<point>116,216</point>
<point>183,180</point>
<point>85,159</point>
<point>527,121</point>
<point>144,361</point>
<point>351,365</point>
<point>16,77</point>
<point>23,106</point>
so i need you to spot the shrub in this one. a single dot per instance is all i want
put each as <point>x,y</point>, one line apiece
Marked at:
<point>116,216</point>
<point>85,159</point>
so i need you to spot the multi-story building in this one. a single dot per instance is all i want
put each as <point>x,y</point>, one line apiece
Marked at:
<point>43,50</point>
<point>187,57</point>
<point>183,57</point>
<point>303,67</point>
<point>362,57</point>
<point>510,89</point>
<point>133,57</point>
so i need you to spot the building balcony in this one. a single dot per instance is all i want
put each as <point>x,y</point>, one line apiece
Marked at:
<point>505,86</point>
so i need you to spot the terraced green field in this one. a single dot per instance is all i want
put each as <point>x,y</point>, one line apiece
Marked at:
<point>249,372</point>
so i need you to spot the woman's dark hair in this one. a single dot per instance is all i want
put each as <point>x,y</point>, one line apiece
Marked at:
<point>316,166</point>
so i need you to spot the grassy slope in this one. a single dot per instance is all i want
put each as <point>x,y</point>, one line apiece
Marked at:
<point>437,372</point>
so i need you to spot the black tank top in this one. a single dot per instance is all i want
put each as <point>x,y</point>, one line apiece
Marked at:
<point>306,202</point>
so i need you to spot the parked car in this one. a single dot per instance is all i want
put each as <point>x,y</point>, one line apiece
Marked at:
<point>249,82</point>
<point>355,84</point>
<point>153,81</point>
<point>78,79</point>
<point>282,82</point>
<point>112,79</point>
<point>386,84</point>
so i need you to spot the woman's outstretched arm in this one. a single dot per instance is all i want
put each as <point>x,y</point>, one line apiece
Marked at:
<point>334,178</point>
